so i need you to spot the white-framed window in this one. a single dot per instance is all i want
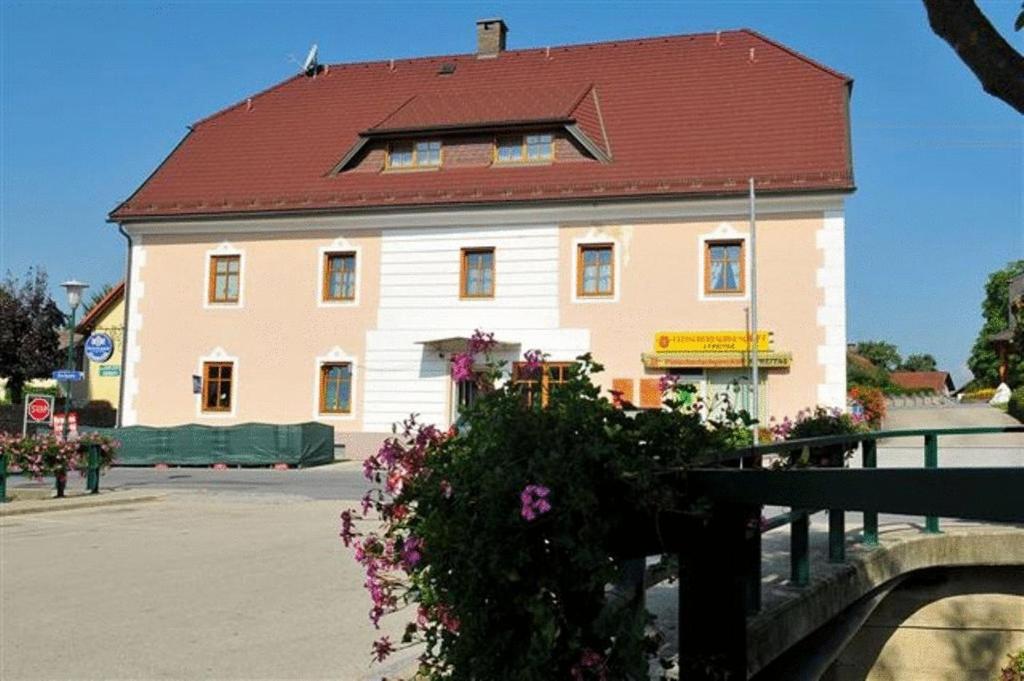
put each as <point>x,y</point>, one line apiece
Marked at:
<point>339,269</point>
<point>224,278</point>
<point>723,265</point>
<point>596,269</point>
<point>219,385</point>
<point>334,386</point>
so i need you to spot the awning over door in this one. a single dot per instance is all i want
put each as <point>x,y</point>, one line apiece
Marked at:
<point>460,343</point>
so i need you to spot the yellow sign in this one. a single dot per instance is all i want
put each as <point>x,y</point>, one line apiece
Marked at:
<point>709,341</point>
<point>714,360</point>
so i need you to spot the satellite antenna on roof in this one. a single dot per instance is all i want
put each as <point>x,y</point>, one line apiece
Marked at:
<point>310,66</point>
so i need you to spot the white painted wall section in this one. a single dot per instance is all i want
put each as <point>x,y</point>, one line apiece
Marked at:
<point>132,350</point>
<point>831,279</point>
<point>419,301</point>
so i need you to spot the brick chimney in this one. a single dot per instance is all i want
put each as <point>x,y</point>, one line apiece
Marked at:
<point>490,37</point>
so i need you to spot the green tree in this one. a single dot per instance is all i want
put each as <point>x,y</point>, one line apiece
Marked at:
<point>921,362</point>
<point>29,331</point>
<point>984,362</point>
<point>98,295</point>
<point>881,354</point>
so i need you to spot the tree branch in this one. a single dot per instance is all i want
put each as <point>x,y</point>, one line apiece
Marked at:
<point>980,46</point>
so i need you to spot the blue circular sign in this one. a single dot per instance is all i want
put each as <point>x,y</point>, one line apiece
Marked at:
<point>99,347</point>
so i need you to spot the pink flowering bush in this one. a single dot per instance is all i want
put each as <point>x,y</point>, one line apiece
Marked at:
<point>818,422</point>
<point>504,534</point>
<point>45,455</point>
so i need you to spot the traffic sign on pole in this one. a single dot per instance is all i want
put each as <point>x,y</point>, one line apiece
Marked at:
<point>68,375</point>
<point>38,411</point>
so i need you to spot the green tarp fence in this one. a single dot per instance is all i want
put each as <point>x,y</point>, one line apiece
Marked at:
<point>247,444</point>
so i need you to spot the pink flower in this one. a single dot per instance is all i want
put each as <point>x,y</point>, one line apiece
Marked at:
<point>462,367</point>
<point>667,383</point>
<point>534,501</point>
<point>590,661</point>
<point>411,552</point>
<point>534,362</point>
<point>382,648</point>
<point>481,342</point>
<point>347,532</point>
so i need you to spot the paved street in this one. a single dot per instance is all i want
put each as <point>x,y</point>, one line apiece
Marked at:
<point>198,585</point>
<point>336,481</point>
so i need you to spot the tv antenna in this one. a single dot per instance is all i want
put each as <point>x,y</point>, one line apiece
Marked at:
<point>310,67</point>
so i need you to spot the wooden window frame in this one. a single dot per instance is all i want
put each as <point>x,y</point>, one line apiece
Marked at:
<point>326,283</point>
<point>524,158</point>
<point>211,285</point>
<point>542,159</point>
<point>711,243</point>
<point>219,408</point>
<point>325,368</point>
<point>464,273</point>
<point>543,379</point>
<point>416,165</point>
<point>581,250</point>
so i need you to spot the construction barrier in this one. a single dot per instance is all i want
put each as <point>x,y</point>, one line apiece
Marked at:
<point>247,444</point>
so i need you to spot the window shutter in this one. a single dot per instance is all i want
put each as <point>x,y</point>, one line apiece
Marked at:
<point>624,386</point>
<point>650,393</point>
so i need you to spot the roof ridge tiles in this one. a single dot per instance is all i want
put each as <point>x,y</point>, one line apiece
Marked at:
<point>544,49</point>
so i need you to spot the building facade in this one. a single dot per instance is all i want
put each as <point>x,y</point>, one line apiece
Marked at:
<point>573,199</point>
<point>103,378</point>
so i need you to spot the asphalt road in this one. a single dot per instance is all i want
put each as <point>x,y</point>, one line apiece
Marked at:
<point>340,481</point>
<point>344,480</point>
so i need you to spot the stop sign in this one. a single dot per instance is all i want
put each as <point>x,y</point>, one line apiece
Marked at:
<point>39,409</point>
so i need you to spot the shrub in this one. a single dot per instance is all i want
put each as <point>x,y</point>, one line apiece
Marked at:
<point>872,401</point>
<point>1014,670</point>
<point>504,532</point>
<point>817,422</point>
<point>979,395</point>
<point>44,455</point>
<point>1015,407</point>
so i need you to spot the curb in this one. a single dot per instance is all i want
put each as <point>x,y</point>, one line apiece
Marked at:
<point>72,504</point>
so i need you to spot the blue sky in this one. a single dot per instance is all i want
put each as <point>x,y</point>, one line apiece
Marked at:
<point>94,95</point>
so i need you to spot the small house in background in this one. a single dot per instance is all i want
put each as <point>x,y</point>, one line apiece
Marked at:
<point>938,382</point>
<point>101,336</point>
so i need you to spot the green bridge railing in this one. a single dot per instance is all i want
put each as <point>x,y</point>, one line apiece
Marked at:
<point>720,561</point>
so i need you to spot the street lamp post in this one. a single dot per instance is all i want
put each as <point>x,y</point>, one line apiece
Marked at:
<point>74,290</point>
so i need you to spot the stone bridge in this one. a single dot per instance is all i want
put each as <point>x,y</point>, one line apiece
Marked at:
<point>900,602</point>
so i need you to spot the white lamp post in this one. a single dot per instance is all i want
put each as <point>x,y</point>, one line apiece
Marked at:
<point>74,289</point>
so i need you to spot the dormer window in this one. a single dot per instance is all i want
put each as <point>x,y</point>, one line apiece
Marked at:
<point>525,148</point>
<point>539,147</point>
<point>425,154</point>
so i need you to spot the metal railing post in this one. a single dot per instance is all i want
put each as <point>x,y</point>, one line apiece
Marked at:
<point>869,454</point>
<point>92,480</point>
<point>931,460</point>
<point>799,556</point>
<point>836,535</point>
<point>3,477</point>
<point>753,558</point>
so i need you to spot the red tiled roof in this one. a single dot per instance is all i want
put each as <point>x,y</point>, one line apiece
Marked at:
<point>682,115</point>
<point>922,380</point>
<point>482,107</point>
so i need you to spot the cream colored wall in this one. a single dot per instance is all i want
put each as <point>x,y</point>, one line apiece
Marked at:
<point>277,333</point>
<point>659,289</point>
<point>107,388</point>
